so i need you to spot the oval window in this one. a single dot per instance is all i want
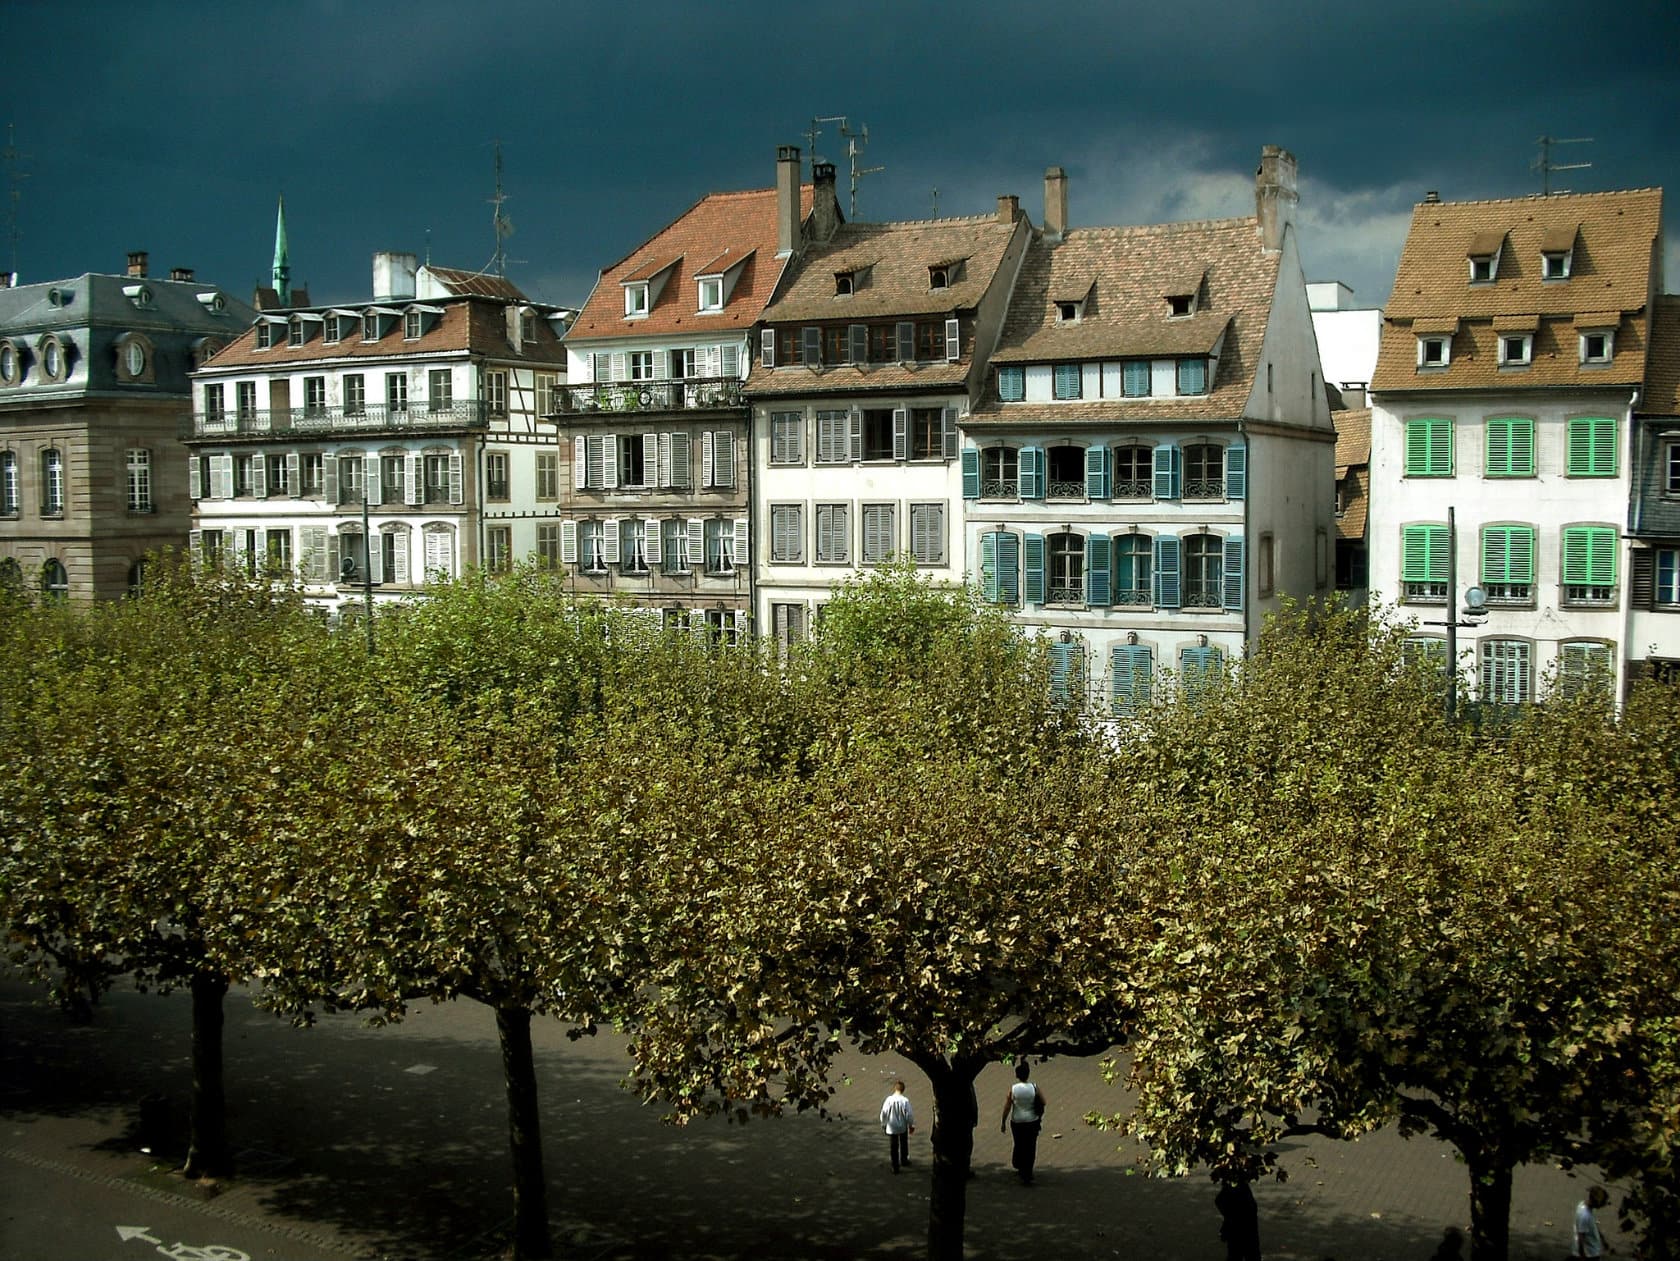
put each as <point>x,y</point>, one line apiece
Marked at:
<point>52,360</point>
<point>8,363</point>
<point>134,358</point>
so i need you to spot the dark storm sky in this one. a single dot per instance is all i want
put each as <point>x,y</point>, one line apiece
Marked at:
<point>173,127</point>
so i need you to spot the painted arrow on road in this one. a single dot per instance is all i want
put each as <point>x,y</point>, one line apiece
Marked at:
<point>183,1251</point>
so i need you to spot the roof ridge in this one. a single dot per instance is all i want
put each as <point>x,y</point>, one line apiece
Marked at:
<point>1171,225</point>
<point>1506,201</point>
<point>922,223</point>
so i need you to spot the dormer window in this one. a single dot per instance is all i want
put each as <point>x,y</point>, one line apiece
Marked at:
<point>139,295</point>
<point>1067,312</point>
<point>527,326</point>
<point>845,282</point>
<point>1484,251</point>
<point>1555,266</point>
<point>1516,350</point>
<point>1597,345</point>
<point>411,326</point>
<point>295,332</point>
<point>711,293</point>
<point>939,277</point>
<point>636,301</point>
<point>1434,352</point>
<point>330,328</point>
<point>212,302</point>
<point>1180,304</point>
<point>1557,252</point>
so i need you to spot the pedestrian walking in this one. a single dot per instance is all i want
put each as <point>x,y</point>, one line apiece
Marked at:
<point>898,1119</point>
<point>1239,1219</point>
<point>1023,1115</point>
<point>1588,1242</point>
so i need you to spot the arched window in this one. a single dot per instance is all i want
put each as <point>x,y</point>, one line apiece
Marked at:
<point>137,578</point>
<point>55,583</point>
<point>52,481</point>
<point>393,554</point>
<point>1204,572</point>
<point>11,576</point>
<point>1065,559</point>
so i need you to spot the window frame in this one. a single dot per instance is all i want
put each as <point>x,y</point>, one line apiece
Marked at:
<point>1517,440</point>
<point>787,533</point>
<point>1437,432</point>
<point>1516,349</point>
<point>1521,692</point>
<point>138,479</point>
<point>1592,446</point>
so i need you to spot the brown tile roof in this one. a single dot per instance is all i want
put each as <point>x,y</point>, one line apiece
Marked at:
<point>743,222</point>
<point>1127,315</point>
<point>1356,504</point>
<point>1353,437</point>
<point>461,283</point>
<point>476,325</point>
<point>1662,378</point>
<point>894,261</point>
<point>897,377</point>
<point>1614,237</point>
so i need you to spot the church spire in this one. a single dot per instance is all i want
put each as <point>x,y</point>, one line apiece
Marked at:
<point>282,257</point>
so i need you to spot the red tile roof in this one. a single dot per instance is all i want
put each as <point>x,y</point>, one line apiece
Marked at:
<point>483,284</point>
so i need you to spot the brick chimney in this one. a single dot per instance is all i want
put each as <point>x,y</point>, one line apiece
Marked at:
<point>181,273</point>
<point>137,264</point>
<point>1009,209</point>
<point>1274,195</point>
<point>825,202</point>
<point>1055,203</point>
<point>787,199</point>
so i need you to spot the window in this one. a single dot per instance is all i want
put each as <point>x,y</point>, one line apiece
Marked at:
<point>1589,564</point>
<point>311,475</point>
<point>440,390</point>
<point>1204,471</point>
<point>264,335</point>
<point>1065,556</point>
<point>833,446</point>
<point>927,433</point>
<point>1584,669</point>
<point>1266,558</point>
<point>640,364</point>
<point>635,301</point>
<point>1516,350</point>
<point>880,534</point>
<point>548,475</point>
<point>210,547</point>
<point>1597,347</point>
<point>1204,578</point>
<point>1179,305</point>
<point>787,624</point>
<point>711,293</point>
<point>834,534</point>
<point>1132,582</point>
<point>352,471</point>
<point>632,546</point>
<point>440,552</point>
<point>1433,352</point>
<point>332,329</point>
<point>592,547</point>
<point>1429,447</point>
<point>927,533</point>
<point>632,460</point>
<point>1666,575</point>
<point>278,544</point>
<point>411,326</point>
<point>1066,473</point>
<point>277,482</point>
<point>1483,268</point>
<point>11,364</point>
<point>548,545</point>
<point>215,405</point>
<point>673,545</point>
<point>355,394</point>
<point>1135,378</point>
<point>393,476</point>
<point>245,475</point>
<point>1000,567</point>
<point>10,498</point>
<point>1000,473</point>
<point>1066,379</point>
<point>1200,670</point>
<point>1192,376</point>
<point>1554,265</point>
<point>1590,447</point>
<point>437,483</point>
<point>720,546</point>
<point>1671,468</point>
<point>1067,312</point>
<point>1130,678</point>
<point>496,475</point>
<point>1510,447</point>
<point>496,392</point>
<point>545,400</point>
<point>353,556</point>
<point>52,482</point>
<point>1133,473</point>
<point>1011,384</point>
<point>370,327</point>
<point>787,437</point>
<point>55,582</point>
<point>314,396</point>
<point>393,552</point>
<point>878,433</point>
<point>1423,563</point>
<point>1508,563</point>
<point>140,479</point>
<point>1507,674</point>
<point>787,534</point>
<point>245,399</point>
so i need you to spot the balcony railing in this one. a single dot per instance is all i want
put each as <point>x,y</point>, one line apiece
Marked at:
<point>318,421</point>
<point>685,394</point>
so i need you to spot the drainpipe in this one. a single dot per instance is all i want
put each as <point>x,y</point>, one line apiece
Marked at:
<point>1625,656</point>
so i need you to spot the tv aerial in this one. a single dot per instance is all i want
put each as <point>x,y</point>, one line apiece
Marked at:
<point>1544,165</point>
<point>855,142</point>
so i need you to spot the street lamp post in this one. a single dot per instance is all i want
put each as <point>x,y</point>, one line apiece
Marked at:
<point>1475,607</point>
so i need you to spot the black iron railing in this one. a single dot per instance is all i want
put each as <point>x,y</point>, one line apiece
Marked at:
<point>326,421</point>
<point>677,395</point>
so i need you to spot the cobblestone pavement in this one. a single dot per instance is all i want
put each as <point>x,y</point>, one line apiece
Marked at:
<point>359,1142</point>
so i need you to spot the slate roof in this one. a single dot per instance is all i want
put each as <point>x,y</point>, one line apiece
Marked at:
<point>473,324</point>
<point>1662,376</point>
<point>1127,316</point>
<point>696,244</point>
<point>1615,237</point>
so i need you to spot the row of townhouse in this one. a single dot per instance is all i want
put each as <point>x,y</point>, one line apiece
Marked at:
<point>1524,452</point>
<point>1119,434</point>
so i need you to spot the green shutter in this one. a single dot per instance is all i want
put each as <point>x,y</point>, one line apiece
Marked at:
<point>1096,472</point>
<point>1233,572</point>
<point>1031,472</point>
<point>1429,450</point>
<point>1066,661</point>
<point>1130,676</point>
<point>1423,553</point>
<point>1167,471</point>
<point>1167,571</point>
<point>1592,447</point>
<point>1009,568</point>
<point>1510,447</point>
<point>988,566</point>
<point>1589,556</point>
<point>1033,568</point>
<point>1508,554</point>
<point>1096,570</point>
<point>1236,471</point>
<point>1202,669</point>
<point>970,473</point>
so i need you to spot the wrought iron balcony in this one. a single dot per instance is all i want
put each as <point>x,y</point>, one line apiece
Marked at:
<point>674,395</point>
<point>328,421</point>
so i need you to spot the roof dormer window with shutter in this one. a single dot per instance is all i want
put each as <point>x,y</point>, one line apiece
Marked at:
<point>1483,256</point>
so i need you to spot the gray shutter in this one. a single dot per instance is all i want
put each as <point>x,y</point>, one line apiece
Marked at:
<point>723,468</point>
<point>858,335</point>
<point>810,346</point>
<point>415,488</point>
<point>259,475</point>
<point>195,477</point>
<point>609,540</point>
<point>953,341</point>
<point>652,544</point>
<point>696,543</point>
<point>329,477</point>
<point>741,554</point>
<point>682,472</point>
<point>901,433</point>
<point>370,480</point>
<point>580,463</point>
<point>948,433</point>
<point>767,347</point>
<point>609,461</point>
<point>854,444</point>
<point>375,559</point>
<point>294,471</point>
<point>906,341</point>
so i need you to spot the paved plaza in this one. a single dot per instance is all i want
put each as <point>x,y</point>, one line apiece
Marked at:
<point>359,1142</point>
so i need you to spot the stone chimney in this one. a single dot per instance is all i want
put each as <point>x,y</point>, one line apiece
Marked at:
<point>1274,195</point>
<point>181,273</point>
<point>787,199</point>
<point>1432,197</point>
<point>8,279</point>
<point>137,264</point>
<point>1009,210</point>
<point>1055,203</point>
<point>393,276</point>
<point>825,202</point>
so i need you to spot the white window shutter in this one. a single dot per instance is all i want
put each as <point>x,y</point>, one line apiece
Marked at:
<point>682,461</point>
<point>953,341</point>
<point>221,477</point>
<point>696,543</point>
<point>767,348</point>
<point>609,540</point>
<point>652,544</point>
<point>294,470</point>
<point>456,491</point>
<point>329,478</point>
<point>580,462</point>
<point>401,571</point>
<point>707,458</point>
<point>568,542</point>
<point>620,366</point>
<point>855,436</point>
<point>195,544</point>
<point>415,489</point>
<point>195,477</point>
<point>730,366</point>
<point>259,475</point>
<point>375,559</point>
<point>370,479</point>
<point>650,459</point>
<point>609,461</point>
<point>661,365</point>
<point>901,433</point>
<point>313,545</point>
<point>740,542</point>
<point>948,433</point>
<point>723,459</point>
<point>662,477</point>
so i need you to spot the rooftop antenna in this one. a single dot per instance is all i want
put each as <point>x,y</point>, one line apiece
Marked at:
<point>855,140</point>
<point>1545,166</point>
<point>14,191</point>
<point>501,224</point>
<point>936,202</point>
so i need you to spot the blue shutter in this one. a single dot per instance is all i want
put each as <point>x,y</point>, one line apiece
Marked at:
<point>1096,472</point>
<point>810,345</point>
<point>1032,472</point>
<point>1166,571</point>
<point>1096,569</point>
<point>1012,384</point>
<point>1236,471</point>
<point>1033,567</point>
<point>948,433</point>
<point>1166,471</point>
<point>971,472</point>
<point>1202,669</point>
<point>1130,678</point>
<point>989,585</point>
<point>1233,571</point>
<point>1008,568</point>
<point>1064,670</point>
<point>1067,379</point>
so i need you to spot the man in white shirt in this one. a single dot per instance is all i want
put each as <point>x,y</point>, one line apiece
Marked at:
<point>898,1119</point>
<point>1588,1242</point>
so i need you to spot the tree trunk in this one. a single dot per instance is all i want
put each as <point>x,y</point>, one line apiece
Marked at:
<point>955,1110</point>
<point>530,1189</point>
<point>1490,1206</point>
<point>207,1153</point>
